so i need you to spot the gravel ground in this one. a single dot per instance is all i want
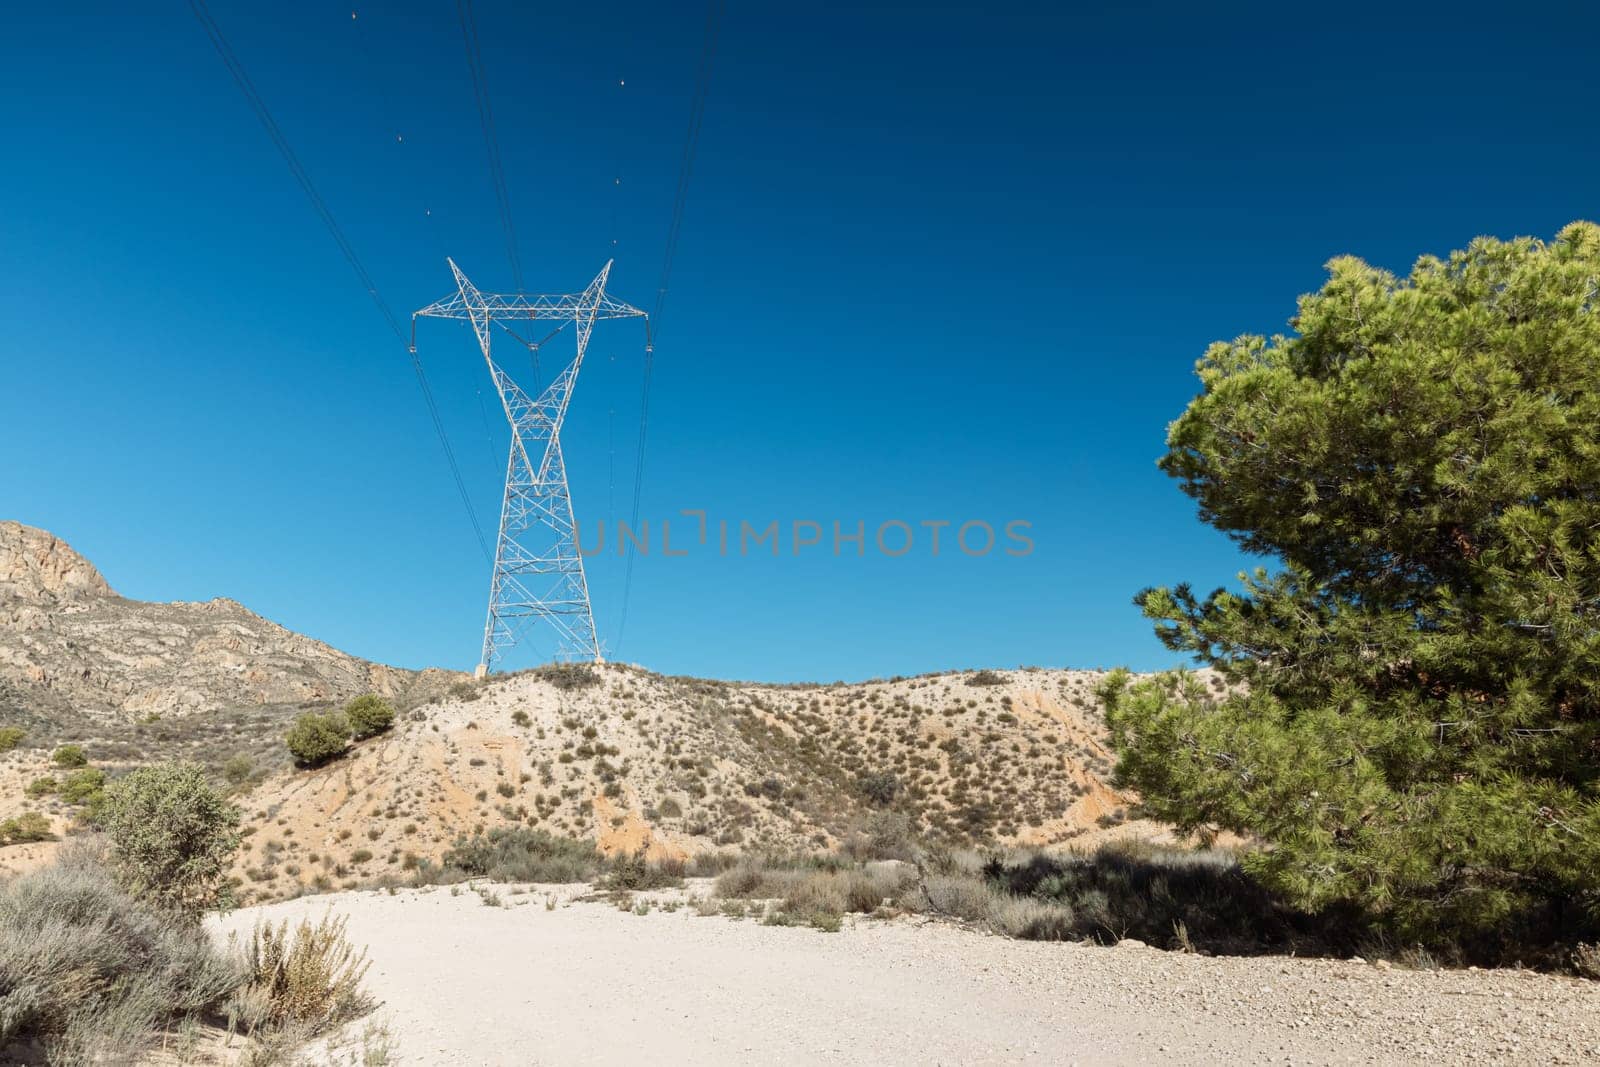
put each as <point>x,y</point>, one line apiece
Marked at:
<point>466,983</point>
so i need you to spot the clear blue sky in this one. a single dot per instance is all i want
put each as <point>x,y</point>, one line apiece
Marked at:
<point>936,264</point>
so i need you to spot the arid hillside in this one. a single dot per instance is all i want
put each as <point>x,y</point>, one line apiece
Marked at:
<point>632,759</point>
<point>683,766</point>
<point>71,649</point>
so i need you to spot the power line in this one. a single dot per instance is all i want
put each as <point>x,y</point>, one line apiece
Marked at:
<point>697,109</point>
<point>241,78</point>
<point>497,174</point>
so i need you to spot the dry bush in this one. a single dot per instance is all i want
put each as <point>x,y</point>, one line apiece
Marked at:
<point>568,676</point>
<point>1031,920</point>
<point>308,980</point>
<point>636,872</point>
<point>89,972</point>
<point>814,891</point>
<point>888,835</point>
<point>1586,961</point>
<point>961,896</point>
<point>514,854</point>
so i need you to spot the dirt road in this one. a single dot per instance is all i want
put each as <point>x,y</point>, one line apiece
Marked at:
<point>464,982</point>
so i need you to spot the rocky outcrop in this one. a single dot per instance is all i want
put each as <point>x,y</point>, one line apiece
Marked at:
<point>36,567</point>
<point>69,644</point>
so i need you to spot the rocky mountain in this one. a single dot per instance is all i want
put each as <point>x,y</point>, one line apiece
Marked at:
<point>71,647</point>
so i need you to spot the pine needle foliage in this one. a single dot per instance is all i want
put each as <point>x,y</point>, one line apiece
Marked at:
<point>1411,718</point>
<point>369,715</point>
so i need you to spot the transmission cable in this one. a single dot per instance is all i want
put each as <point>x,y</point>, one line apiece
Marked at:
<point>241,78</point>
<point>697,110</point>
<point>497,174</point>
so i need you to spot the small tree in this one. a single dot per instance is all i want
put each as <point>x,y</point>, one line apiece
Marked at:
<point>368,715</point>
<point>314,739</point>
<point>171,835</point>
<point>70,756</point>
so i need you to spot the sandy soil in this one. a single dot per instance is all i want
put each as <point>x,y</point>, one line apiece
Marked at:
<point>463,982</point>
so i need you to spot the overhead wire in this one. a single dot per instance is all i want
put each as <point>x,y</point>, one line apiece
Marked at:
<point>497,174</point>
<point>697,109</point>
<point>247,87</point>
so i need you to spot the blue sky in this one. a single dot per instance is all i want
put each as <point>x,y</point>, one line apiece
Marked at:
<point>935,264</point>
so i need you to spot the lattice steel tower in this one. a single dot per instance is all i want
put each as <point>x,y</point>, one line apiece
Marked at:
<point>538,571</point>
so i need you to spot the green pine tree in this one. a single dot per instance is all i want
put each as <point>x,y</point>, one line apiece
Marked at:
<point>1410,714</point>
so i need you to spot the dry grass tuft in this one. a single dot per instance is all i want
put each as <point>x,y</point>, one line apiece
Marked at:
<point>309,980</point>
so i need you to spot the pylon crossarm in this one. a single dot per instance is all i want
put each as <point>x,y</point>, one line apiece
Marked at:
<point>467,302</point>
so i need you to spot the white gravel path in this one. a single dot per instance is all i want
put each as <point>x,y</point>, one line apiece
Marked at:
<point>464,983</point>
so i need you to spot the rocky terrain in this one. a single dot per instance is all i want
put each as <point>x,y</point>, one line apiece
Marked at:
<point>71,649</point>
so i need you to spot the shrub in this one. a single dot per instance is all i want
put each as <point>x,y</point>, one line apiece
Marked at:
<point>568,675</point>
<point>886,835</point>
<point>813,891</point>
<point>44,786</point>
<point>517,854</point>
<point>21,829</point>
<point>1132,890</point>
<point>520,717</point>
<point>11,737</point>
<point>171,835</point>
<point>85,786</point>
<point>369,715</point>
<point>238,768</point>
<point>986,677</point>
<point>669,809</point>
<point>314,739</point>
<point>70,756</point>
<point>635,872</point>
<point>309,980</point>
<point>90,972</point>
<point>1423,663</point>
<point>879,787</point>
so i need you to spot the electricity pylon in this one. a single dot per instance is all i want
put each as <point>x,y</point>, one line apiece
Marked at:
<point>538,571</point>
